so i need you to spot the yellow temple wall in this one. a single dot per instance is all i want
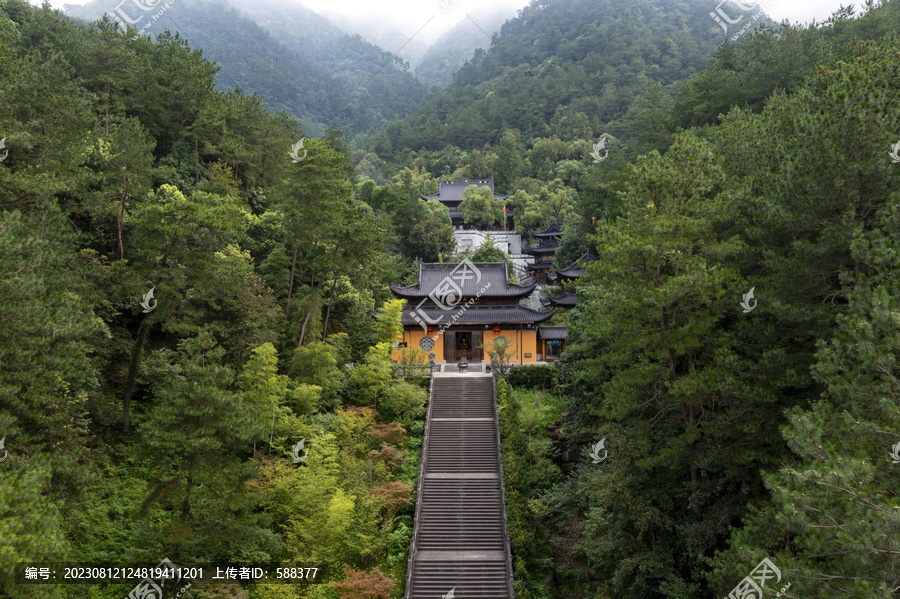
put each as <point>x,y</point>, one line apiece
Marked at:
<point>523,342</point>
<point>412,339</point>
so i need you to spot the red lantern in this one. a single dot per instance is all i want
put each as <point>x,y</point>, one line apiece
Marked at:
<point>430,330</point>
<point>496,329</point>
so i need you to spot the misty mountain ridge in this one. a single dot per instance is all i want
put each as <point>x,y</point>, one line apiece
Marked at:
<point>294,58</point>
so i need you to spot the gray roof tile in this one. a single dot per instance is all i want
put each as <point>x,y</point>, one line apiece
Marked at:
<point>452,191</point>
<point>473,315</point>
<point>489,279</point>
<point>554,229</point>
<point>553,333</point>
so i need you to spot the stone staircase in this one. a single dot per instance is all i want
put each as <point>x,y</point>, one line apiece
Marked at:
<point>459,540</point>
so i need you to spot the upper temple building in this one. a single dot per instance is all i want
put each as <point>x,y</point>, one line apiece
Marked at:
<point>455,310</point>
<point>450,194</point>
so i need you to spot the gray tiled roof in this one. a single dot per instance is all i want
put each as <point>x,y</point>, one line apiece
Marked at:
<point>475,315</point>
<point>576,269</point>
<point>452,191</point>
<point>464,282</point>
<point>540,266</point>
<point>553,333</point>
<point>546,246</point>
<point>554,229</point>
<point>566,300</point>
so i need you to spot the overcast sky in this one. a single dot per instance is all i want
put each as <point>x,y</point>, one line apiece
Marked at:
<point>414,13</point>
<point>418,11</point>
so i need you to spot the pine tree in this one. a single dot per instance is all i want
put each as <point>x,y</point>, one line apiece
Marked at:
<point>832,524</point>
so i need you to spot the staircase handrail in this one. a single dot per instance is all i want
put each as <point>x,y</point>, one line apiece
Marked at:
<point>509,570</point>
<point>413,542</point>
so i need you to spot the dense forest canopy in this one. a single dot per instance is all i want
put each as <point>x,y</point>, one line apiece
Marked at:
<point>294,59</point>
<point>196,322</point>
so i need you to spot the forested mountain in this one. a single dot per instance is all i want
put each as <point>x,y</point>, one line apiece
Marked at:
<point>453,48</point>
<point>196,327</point>
<point>741,432</point>
<point>345,83</point>
<point>182,304</point>
<point>564,69</point>
<point>381,28</point>
<point>371,74</point>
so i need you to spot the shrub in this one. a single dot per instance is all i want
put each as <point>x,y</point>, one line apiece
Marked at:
<point>403,402</point>
<point>533,377</point>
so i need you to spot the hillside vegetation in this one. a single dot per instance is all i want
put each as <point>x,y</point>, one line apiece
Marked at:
<point>295,60</point>
<point>196,320</point>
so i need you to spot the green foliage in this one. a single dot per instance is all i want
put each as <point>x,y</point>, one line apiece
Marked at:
<point>316,365</point>
<point>31,523</point>
<point>371,376</point>
<point>192,433</point>
<point>489,252</point>
<point>551,203</point>
<point>48,331</point>
<point>388,321</point>
<point>501,356</point>
<point>432,237</point>
<point>561,69</point>
<point>297,61</point>
<point>127,170</point>
<point>480,208</point>
<point>533,377</point>
<point>528,473</point>
<point>837,503</point>
<point>403,402</point>
<point>692,393</point>
<point>731,435</point>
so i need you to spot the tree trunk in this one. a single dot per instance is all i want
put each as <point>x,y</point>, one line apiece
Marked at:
<point>312,306</point>
<point>136,353</point>
<point>197,158</point>
<point>121,223</point>
<point>328,312</point>
<point>287,308</point>
<point>186,505</point>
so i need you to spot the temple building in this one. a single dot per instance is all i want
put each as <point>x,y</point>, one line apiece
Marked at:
<point>456,310</point>
<point>564,300</point>
<point>552,341</point>
<point>450,194</point>
<point>544,252</point>
<point>572,272</point>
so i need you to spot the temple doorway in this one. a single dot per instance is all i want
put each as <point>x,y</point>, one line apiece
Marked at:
<point>463,345</point>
